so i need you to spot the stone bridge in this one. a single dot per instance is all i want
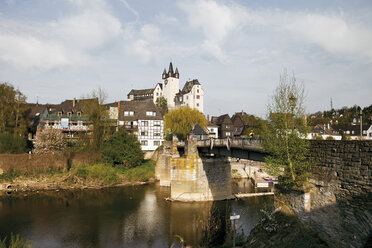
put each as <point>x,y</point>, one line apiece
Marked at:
<point>199,171</point>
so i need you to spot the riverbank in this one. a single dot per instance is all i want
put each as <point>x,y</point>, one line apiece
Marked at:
<point>82,176</point>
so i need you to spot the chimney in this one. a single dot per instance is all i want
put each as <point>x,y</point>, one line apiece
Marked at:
<point>208,118</point>
<point>73,102</point>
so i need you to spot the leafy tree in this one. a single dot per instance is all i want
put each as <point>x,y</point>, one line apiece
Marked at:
<point>162,103</point>
<point>98,117</point>
<point>181,121</point>
<point>122,148</point>
<point>49,140</point>
<point>12,143</point>
<point>13,110</point>
<point>284,138</point>
<point>253,123</point>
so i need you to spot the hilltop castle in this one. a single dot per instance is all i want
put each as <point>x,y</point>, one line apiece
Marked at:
<point>191,95</point>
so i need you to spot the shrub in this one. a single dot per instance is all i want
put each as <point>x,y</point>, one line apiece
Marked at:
<point>122,148</point>
<point>49,139</point>
<point>12,143</point>
<point>103,173</point>
<point>142,173</point>
<point>330,138</point>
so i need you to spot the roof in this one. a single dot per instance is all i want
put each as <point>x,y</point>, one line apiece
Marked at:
<point>198,130</point>
<point>141,92</point>
<point>222,119</point>
<point>139,107</point>
<point>210,124</point>
<point>351,128</point>
<point>237,119</point>
<point>188,86</point>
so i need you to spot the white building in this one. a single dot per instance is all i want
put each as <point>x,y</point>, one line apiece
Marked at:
<point>192,94</point>
<point>144,119</point>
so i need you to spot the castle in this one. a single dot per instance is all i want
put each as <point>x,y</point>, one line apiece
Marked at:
<point>191,95</point>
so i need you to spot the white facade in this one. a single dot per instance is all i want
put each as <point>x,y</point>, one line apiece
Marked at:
<point>369,133</point>
<point>171,86</point>
<point>213,131</point>
<point>158,92</point>
<point>150,134</point>
<point>194,99</point>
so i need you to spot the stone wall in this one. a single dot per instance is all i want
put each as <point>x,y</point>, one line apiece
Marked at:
<point>35,162</point>
<point>345,165</point>
<point>337,204</point>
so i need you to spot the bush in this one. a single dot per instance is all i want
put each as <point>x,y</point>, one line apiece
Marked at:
<point>122,148</point>
<point>11,143</point>
<point>105,174</point>
<point>49,139</point>
<point>143,173</point>
<point>330,138</point>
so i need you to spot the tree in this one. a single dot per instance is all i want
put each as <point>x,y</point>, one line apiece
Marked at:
<point>253,123</point>
<point>162,103</point>
<point>49,140</point>
<point>13,110</point>
<point>98,116</point>
<point>284,138</point>
<point>122,148</point>
<point>181,121</point>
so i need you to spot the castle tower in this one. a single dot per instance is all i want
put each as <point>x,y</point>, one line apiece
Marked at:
<point>171,85</point>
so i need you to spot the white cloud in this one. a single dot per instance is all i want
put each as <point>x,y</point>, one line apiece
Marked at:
<point>66,41</point>
<point>216,21</point>
<point>335,34</point>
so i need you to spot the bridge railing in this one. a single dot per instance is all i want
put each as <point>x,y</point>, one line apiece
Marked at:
<point>235,142</point>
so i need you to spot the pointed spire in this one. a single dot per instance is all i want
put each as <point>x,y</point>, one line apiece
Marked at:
<point>176,73</point>
<point>164,75</point>
<point>170,71</point>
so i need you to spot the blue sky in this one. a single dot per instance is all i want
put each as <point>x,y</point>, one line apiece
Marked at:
<point>60,49</point>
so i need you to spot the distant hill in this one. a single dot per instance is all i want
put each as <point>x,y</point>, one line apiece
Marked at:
<point>343,116</point>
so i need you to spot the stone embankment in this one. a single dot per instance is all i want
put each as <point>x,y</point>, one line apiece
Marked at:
<point>336,208</point>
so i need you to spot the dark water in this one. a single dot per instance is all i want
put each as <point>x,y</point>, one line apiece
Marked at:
<point>134,216</point>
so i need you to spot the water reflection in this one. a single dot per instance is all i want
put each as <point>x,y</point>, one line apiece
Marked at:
<point>122,217</point>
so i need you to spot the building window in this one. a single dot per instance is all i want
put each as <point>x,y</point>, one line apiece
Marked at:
<point>144,142</point>
<point>197,105</point>
<point>197,97</point>
<point>79,114</point>
<point>156,123</point>
<point>80,123</point>
<point>69,114</point>
<point>126,113</point>
<point>59,113</point>
<point>197,90</point>
<point>143,133</point>
<point>150,113</point>
<point>228,134</point>
<point>212,130</point>
<point>157,134</point>
<point>145,123</point>
<point>227,126</point>
<point>156,143</point>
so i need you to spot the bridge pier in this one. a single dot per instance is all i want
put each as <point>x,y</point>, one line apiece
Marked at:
<point>194,178</point>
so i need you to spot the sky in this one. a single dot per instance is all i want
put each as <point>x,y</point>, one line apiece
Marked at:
<point>52,50</point>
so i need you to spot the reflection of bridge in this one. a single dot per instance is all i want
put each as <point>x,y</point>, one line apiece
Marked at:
<point>201,170</point>
<point>238,148</point>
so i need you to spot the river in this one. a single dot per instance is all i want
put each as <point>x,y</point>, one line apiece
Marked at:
<point>132,216</point>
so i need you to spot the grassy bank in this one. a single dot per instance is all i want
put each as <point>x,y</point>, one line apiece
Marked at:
<point>91,175</point>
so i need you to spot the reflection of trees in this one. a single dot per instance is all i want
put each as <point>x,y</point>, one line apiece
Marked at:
<point>204,224</point>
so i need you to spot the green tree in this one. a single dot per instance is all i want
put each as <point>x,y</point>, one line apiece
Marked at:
<point>13,110</point>
<point>162,103</point>
<point>93,107</point>
<point>12,143</point>
<point>253,123</point>
<point>122,148</point>
<point>284,138</point>
<point>181,121</point>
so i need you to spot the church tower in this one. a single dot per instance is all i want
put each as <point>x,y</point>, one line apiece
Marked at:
<point>171,85</point>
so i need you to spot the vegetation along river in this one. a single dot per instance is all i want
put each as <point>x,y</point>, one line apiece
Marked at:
<point>131,216</point>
